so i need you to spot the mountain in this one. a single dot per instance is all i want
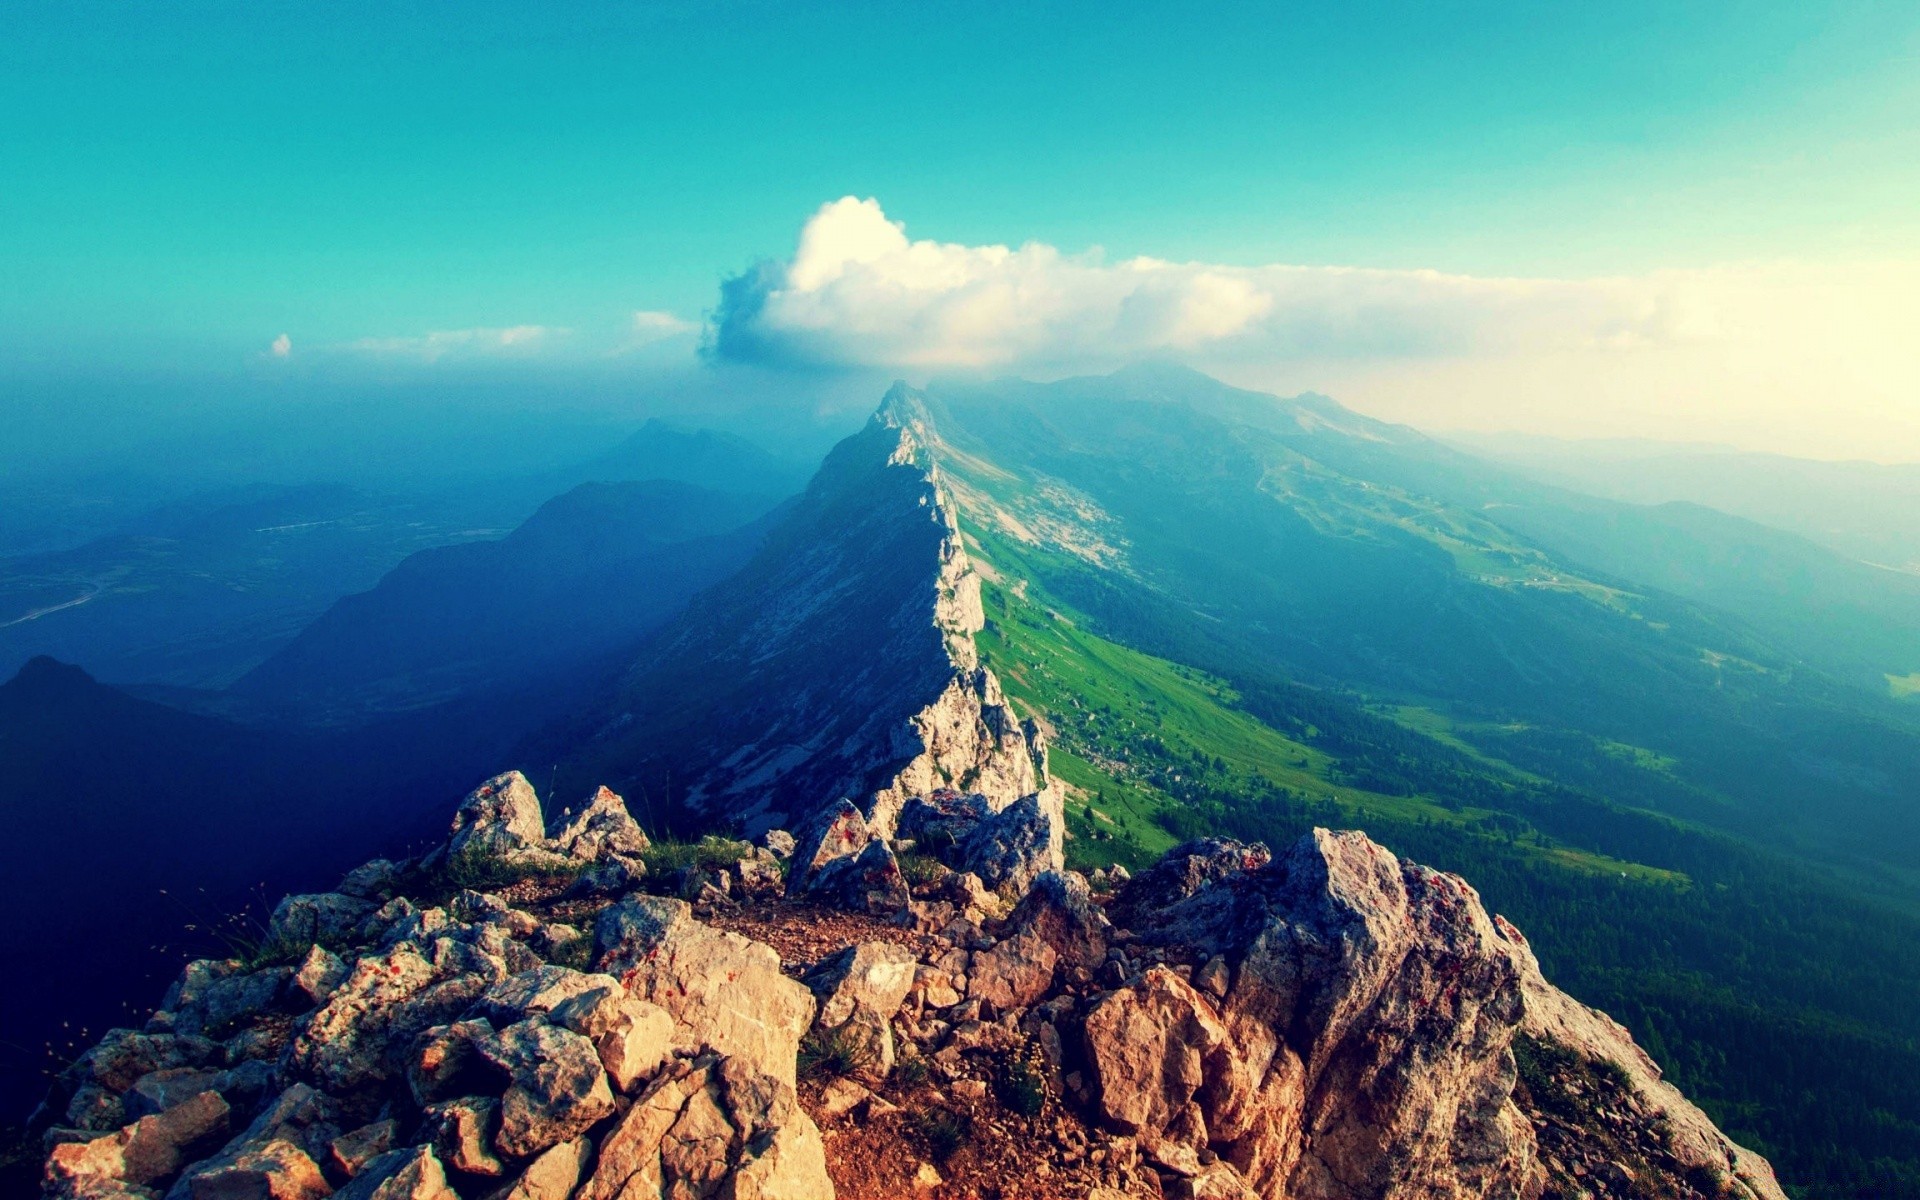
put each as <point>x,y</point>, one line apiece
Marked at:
<point>592,571</point>
<point>1221,612</point>
<point>711,458</point>
<point>1866,511</point>
<point>195,592</point>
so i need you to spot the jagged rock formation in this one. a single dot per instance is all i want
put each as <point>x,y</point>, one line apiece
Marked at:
<point>839,664</point>
<point>1330,1022</point>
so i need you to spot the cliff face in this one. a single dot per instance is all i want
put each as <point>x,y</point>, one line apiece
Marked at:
<point>535,1015</point>
<point>839,663</point>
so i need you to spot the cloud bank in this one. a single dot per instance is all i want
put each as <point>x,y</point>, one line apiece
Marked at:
<point>516,341</point>
<point>859,293</point>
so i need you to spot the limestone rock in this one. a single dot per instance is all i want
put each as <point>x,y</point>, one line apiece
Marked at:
<point>272,1170</point>
<point>632,1036</point>
<point>603,828</point>
<point>318,974</point>
<point>325,917</point>
<point>860,989</point>
<point>559,1088</point>
<point>501,815</point>
<point>1011,848</point>
<point>149,1149</point>
<point>410,1174</point>
<point>840,860</point>
<point>461,1133</point>
<point>352,1150</point>
<point>1014,973</point>
<point>554,1174</point>
<point>1152,1047</point>
<point>1059,909</point>
<point>714,1127</point>
<point>722,991</point>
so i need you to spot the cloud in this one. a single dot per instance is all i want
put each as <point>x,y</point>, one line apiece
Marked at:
<point>516,341</point>
<point>650,327</point>
<point>282,346</point>
<point>859,292</point>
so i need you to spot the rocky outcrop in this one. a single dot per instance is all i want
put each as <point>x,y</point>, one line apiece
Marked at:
<point>839,663</point>
<point>1330,1022</point>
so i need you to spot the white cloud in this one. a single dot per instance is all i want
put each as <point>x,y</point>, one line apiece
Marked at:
<point>282,346</point>
<point>859,292</point>
<point>648,327</point>
<point>508,342</point>
<point>1799,357</point>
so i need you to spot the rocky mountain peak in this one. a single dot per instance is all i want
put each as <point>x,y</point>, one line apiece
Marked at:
<point>563,1011</point>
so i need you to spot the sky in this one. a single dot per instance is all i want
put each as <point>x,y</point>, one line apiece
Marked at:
<point>1680,220</point>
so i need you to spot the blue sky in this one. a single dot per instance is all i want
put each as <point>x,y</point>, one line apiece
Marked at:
<point>185,181</point>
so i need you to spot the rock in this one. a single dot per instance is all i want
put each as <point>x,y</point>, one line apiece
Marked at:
<point>559,1088</point>
<point>272,1170</point>
<point>151,1148</point>
<point>360,1036</point>
<point>461,1133</point>
<point>1152,1047</point>
<point>1214,977</point>
<point>632,1036</point>
<point>777,842</point>
<point>325,917</point>
<point>318,974</point>
<point>374,881</point>
<point>1180,873</point>
<point>722,991</point>
<point>211,998</point>
<point>940,822</point>
<point>536,992</point>
<point>1368,1022</point>
<point>603,828</point>
<point>1218,1181</point>
<point>860,989</point>
<point>413,1173</point>
<point>1686,1133</point>
<point>554,1174</point>
<point>1014,973</point>
<point>926,1178</point>
<point>1016,844</point>
<point>445,1060</point>
<point>501,815</point>
<point>1059,909</point>
<point>157,1091</point>
<point>715,1127</point>
<point>841,861</point>
<point>351,1151</point>
<point>841,1097</point>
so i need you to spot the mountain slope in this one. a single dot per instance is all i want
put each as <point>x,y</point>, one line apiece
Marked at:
<point>591,572</point>
<point>838,662</point>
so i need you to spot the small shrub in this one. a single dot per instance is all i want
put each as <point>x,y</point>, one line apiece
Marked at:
<point>919,869</point>
<point>910,1073</point>
<point>480,871</point>
<point>1022,1085</point>
<point>576,954</point>
<point>829,1053</point>
<point>944,1131</point>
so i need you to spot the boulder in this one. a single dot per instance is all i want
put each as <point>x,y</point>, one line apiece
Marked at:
<point>1009,849</point>
<point>724,992</point>
<point>536,992</point>
<point>839,860</point>
<point>461,1133</point>
<point>632,1036</point>
<point>271,1170</point>
<point>554,1174</point>
<point>558,1089</point>
<point>713,1127</point>
<point>330,918</point>
<point>1181,872</point>
<point>1014,973</point>
<point>353,1150</point>
<point>860,989</point>
<point>941,821</point>
<point>501,815</point>
<point>150,1149</point>
<point>360,1036</point>
<point>1059,909</point>
<point>413,1173</point>
<point>211,997</point>
<point>603,828</point>
<point>1152,1046</point>
<point>318,974</point>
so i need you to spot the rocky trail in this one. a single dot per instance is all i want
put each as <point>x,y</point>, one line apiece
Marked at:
<point>537,1012</point>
